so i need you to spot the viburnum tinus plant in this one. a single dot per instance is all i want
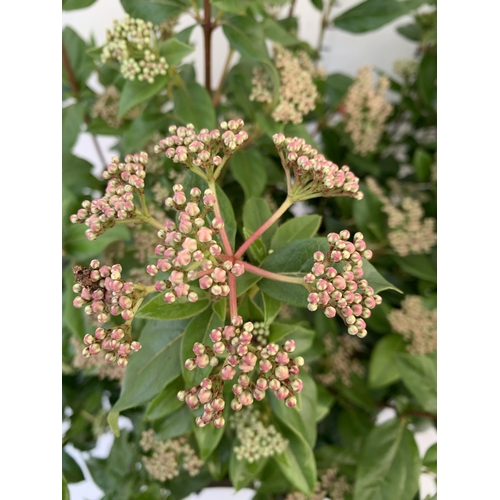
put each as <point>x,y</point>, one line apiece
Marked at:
<point>219,290</point>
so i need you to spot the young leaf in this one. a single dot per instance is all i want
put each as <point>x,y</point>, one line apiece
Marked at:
<point>245,34</point>
<point>192,104</point>
<point>430,459</point>
<point>275,32</point>
<point>198,330</point>
<point>389,466</point>
<point>174,51</point>
<point>152,368</point>
<point>72,120</point>
<point>296,229</point>
<point>166,402</point>
<point>383,370</point>
<point>76,4</point>
<point>136,92</point>
<point>419,374</point>
<point>158,309</point>
<point>154,10</point>
<point>248,169</point>
<point>370,15</point>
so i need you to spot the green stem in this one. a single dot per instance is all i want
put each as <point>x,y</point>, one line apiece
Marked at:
<point>281,210</point>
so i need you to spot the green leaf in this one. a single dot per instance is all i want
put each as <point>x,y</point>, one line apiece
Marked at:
<point>275,32</point>
<point>325,401</point>
<point>244,282</point>
<point>140,131</point>
<point>198,330</point>
<point>81,63</point>
<point>430,459</point>
<point>155,11</point>
<point>427,79</point>
<point>152,368</point>
<point>389,466</point>
<point>370,15</point>
<point>297,462</point>
<point>248,169</point>
<point>219,307</point>
<point>176,424</point>
<point>227,212</point>
<point>303,336</point>
<point>77,246</point>
<point>136,92</point>
<point>422,162</point>
<point>242,472</point>
<point>256,212</point>
<point>336,87</point>
<point>174,51</point>
<point>368,215</point>
<point>77,173</point>
<point>208,438</point>
<point>375,279</point>
<point>76,4</point>
<point>302,418</point>
<point>245,34</point>
<point>71,469</point>
<point>271,307</point>
<point>419,374</point>
<point>65,489</point>
<point>166,402</point>
<point>235,6</point>
<point>158,309</point>
<point>411,31</point>
<point>296,229</point>
<point>192,104</point>
<point>420,266</point>
<point>357,393</point>
<point>383,370</point>
<point>72,120</point>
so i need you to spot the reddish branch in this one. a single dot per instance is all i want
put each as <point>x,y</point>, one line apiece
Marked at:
<point>207,32</point>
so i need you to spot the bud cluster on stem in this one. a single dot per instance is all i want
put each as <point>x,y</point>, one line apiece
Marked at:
<point>189,252</point>
<point>271,366</point>
<point>313,175</point>
<point>204,153</point>
<point>117,204</point>
<point>336,282</point>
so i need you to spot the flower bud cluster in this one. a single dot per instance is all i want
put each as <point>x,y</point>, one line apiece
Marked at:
<point>117,204</point>
<point>256,439</point>
<point>271,366</point>
<point>102,292</point>
<point>313,174</point>
<point>203,151</point>
<point>366,110</point>
<point>297,92</point>
<point>343,292</point>
<point>330,485</point>
<point>261,333</point>
<point>169,458</point>
<point>409,231</point>
<point>406,68</point>
<point>416,324</point>
<point>132,42</point>
<point>190,245</point>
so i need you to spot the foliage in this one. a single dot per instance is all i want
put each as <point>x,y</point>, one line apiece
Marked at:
<point>274,285</point>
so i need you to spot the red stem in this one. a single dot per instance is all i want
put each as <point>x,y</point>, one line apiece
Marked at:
<point>233,300</point>
<point>269,275</point>
<point>207,34</point>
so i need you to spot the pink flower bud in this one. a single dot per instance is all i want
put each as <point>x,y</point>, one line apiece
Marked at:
<point>274,384</point>
<point>282,392</point>
<point>297,385</point>
<point>205,395</point>
<point>245,398</point>
<point>204,234</point>
<point>291,401</point>
<point>190,364</point>
<point>265,365</point>
<point>228,372</point>
<point>238,269</point>
<point>236,405</point>
<point>181,395</point>
<point>259,395</point>
<point>282,358</point>
<point>281,372</point>
<point>219,422</point>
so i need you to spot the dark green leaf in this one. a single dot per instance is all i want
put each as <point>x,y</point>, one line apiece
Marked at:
<point>389,465</point>
<point>303,336</point>
<point>72,317</point>
<point>325,401</point>
<point>419,374</point>
<point>296,229</point>
<point>76,4</point>
<point>166,402</point>
<point>375,279</point>
<point>71,469</point>
<point>152,368</point>
<point>245,34</point>
<point>427,79</point>
<point>422,162</point>
<point>411,31</point>
<point>244,282</point>
<point>357,393</point>
<point>271,307</point>
<point>227,212</point>
<point>65,489</point>
<point>336,87</point>
<point>297,462</point>
<point>81,63</point>
<point>198,330</point>
<point>420,266</point>
<point>430,459</point>
<point>155,11</point>
<point>208,438</point>
<point>174,51</point>
<point>275,32</point>
<point>72,120</point>
<point>242,472</point>
<point>318,4</point>
<point>140,131</point>
<point>383,370</point>
<point>77,246</point>
<point>248,169</point>
<point>175,424</point>
<point>77,173</point>
<point>135,92</point>
<point>367,213</point>
<point>235,6</point>
<point>370,15</point>
<point>158,309</point>
<point>192,104</point>
<point>220,307</point>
